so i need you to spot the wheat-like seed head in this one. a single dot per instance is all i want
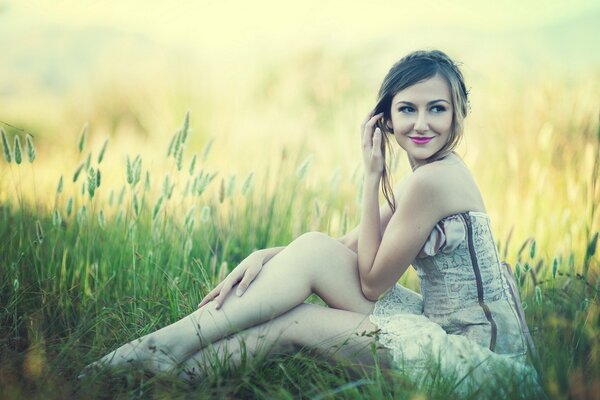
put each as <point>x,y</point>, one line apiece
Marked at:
<point>82,137</point>
<point>98,178</point>
<point>102,151</point>
<point>189,215</point>
<point>205,214</point>
<point>69,207</point>
<point>166,185</point>
<point>192,165</point>
<point>304,167</point>
<point>137,170</point>
<point>206,150</point>
<point>179,159</point>
<point>78,172</point>
<point>147,182</point>
<point>157,207</point>
<point>129,171</point>
<point>222,191</point>
<point>177,143</point>
<point>5,146</point>
<point>30,148</point>
<point>136,205</point>
<point>59,187</point>
<point>172,144</point>
<point>18,150</point>
<point>121,195</point>
<point>91,186</point>
<point>248,183</point>
<point>101,219</point>
<point>231,186</point>
<point>88,161</point>
<point>185,130</point>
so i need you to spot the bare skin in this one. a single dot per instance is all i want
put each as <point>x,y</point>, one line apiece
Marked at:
<point>269,312</point>
<point>313,263</point>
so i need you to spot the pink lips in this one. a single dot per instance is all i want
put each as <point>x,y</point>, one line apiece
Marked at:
<point>419,140</point>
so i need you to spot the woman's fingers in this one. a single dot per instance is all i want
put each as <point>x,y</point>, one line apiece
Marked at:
<point>246,280</point>
<point>211,295</point>
<point>376,152</point>
<point>228,284</point>
<point>367,129</point>
<point>362,125</point>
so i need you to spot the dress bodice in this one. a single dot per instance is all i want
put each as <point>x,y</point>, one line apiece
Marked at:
<point>459,266</point>
<point>466,288</point>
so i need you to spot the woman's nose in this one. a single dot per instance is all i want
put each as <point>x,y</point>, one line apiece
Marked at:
<point>421,124</point>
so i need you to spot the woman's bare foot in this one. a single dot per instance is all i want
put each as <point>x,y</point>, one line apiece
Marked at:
<point>142,353</point>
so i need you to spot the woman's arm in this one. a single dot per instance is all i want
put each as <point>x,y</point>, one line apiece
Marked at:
<point>369,233</point>
<point>350,239</point>
<point>384,255</point>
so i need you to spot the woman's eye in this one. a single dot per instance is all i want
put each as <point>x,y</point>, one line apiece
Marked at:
<point>405,109</point>
<point>438,109</point>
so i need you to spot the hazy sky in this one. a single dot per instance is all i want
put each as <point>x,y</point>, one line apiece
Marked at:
<point>214,24</point>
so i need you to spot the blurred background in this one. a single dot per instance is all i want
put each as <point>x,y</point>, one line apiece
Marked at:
<point>270,79</point>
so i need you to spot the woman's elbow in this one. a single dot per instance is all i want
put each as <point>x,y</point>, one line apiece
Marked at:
<point>370,293</point>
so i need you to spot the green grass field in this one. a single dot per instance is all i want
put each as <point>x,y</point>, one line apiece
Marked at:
<point>102,242</point>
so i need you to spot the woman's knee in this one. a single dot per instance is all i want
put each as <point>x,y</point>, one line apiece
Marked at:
<point>313,238</point>
<point>320,242</point>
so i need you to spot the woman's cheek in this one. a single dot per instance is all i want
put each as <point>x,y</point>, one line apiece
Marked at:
<point>402,127</point>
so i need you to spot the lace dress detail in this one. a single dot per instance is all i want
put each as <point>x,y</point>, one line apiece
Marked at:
<point>467,321</point>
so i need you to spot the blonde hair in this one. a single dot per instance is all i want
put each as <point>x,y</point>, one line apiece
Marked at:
<point>411,69</point>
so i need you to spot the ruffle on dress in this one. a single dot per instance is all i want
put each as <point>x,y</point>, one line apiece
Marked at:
<point>446,236</point>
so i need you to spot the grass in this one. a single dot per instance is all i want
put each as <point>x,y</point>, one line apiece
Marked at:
<point>113,244</point>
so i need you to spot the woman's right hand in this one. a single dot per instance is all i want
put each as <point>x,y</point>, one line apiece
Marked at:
<point>372,142</point>
<point>244,273</point>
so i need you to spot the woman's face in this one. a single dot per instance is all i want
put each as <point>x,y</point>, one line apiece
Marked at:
<point>421,118</point>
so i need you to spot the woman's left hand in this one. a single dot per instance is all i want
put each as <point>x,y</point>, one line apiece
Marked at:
<point>371,146</point>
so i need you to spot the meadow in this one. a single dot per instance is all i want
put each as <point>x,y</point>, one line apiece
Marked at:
<point>117,225</point>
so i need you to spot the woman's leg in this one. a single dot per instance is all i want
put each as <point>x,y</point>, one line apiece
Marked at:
<point>338,334</point>
<point>313,263</point>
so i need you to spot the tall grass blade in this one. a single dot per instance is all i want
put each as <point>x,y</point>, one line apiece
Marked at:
<point>39,231</point>
<point>56,218</point>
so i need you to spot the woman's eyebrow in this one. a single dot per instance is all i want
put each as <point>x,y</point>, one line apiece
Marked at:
<point>429,103</point>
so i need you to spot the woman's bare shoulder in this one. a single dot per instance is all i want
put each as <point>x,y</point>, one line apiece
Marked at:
<point>450,186</point>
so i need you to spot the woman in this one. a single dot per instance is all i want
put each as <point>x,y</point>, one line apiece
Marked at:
<point>468,314</point>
